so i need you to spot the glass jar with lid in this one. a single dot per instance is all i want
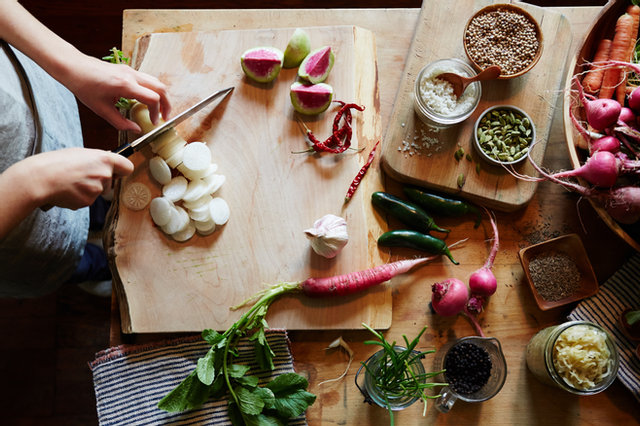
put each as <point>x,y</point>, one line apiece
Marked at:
<point>434,101</point>
<point>577,356</point>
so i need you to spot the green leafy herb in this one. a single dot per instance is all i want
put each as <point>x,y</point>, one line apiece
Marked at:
<point>632,317</point>
<point>216,376</point>
<point>394,377</point>
<point>117,57</point>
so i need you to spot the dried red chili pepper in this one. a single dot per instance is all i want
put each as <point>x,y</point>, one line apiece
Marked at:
<point>340,139</point>
<point>356,181</point>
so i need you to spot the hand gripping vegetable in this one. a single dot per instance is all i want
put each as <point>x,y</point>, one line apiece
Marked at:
<point>407,212</point>
<point>440,205</point>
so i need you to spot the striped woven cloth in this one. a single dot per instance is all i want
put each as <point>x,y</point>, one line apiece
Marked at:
<point>620,291</point>
<point>130,380</point>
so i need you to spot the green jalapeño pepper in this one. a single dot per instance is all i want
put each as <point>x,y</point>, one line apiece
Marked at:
<point>415,240</point>
<point>437,204</point>
<point>408,213</point>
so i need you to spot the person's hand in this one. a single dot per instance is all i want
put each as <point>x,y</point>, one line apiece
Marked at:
<point>72,177</point>
<point>99,85</point>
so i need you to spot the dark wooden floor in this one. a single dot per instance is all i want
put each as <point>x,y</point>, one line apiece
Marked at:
<point>46,343</point>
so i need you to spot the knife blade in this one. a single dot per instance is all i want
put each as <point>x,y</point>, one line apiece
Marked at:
<point>136,145</point>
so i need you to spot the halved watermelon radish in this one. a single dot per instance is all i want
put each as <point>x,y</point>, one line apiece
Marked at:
<point>262,64</point>
<point>316,66</point>
<point>311,99</point>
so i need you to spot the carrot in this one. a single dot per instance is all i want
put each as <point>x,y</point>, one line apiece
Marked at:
<point>634,11</point>
<point>619,50</point>
<point>592,81</point>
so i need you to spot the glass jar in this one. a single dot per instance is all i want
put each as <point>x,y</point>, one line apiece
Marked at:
<point>438,109</point>
<point>540,354</point>
<point>373,394</point>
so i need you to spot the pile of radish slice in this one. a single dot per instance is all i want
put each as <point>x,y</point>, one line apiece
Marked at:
<point>189,181</point>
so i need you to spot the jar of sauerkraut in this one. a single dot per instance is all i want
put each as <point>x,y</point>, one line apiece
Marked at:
<point>577,356</point>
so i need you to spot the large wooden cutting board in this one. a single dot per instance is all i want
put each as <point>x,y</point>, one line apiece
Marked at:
<point>439,34</point>
<point>166,286</point>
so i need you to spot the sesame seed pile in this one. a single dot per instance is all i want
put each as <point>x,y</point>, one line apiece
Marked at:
<point>502,37</point>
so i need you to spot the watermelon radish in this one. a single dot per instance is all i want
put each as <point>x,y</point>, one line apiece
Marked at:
<point>316,66</point>
<point>262,64</point>
<point>298,48</point>
<point>310,99</point>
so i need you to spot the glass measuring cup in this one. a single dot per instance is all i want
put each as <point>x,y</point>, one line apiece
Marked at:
<point>496,379</point>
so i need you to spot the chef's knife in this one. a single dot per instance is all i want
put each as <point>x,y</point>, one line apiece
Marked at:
<point>128,149</point>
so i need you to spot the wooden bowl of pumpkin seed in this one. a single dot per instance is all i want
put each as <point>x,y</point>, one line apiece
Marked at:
<point>503,134</point>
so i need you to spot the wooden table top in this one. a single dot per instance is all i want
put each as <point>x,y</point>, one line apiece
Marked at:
<point>512,315</point>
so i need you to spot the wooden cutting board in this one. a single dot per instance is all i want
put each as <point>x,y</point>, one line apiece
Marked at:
<point>439,34</point>
<point>166,286</point>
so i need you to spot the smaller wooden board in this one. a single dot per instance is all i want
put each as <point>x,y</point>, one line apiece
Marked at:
<point>439,35</point>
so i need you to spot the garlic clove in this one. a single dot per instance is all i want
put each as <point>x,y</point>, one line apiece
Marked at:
<point>328,235</point>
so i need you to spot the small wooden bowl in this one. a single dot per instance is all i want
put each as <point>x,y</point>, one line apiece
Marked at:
<point>510,8</point>
<point>570,245</point>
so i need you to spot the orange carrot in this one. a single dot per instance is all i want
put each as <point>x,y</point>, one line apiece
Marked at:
<point>634,11</point>
<point>593,79</point>
<point>619,51</point>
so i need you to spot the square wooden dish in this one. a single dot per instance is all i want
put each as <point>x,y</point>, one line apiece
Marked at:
<point>570,245</point>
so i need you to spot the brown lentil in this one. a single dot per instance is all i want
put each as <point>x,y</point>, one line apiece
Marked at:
<point>555,275</point>
<point>502,37</point>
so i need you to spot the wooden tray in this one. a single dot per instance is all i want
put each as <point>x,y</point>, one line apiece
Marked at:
<point>603,26</point>
<point>438,35</point>
<point>165,286</point>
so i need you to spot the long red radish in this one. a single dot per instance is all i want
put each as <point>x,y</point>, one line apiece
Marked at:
<point>483,282</point>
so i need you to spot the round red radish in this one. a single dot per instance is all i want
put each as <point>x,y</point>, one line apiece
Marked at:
<point>449,297</point>
<point>605,143</point>
<point>601,113</point>
<point>601,169</point>
<point>634,100</point>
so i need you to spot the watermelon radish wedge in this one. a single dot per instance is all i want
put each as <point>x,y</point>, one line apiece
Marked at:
<point>316,66</point>
<point>311,99</point>
<point>262,64</point>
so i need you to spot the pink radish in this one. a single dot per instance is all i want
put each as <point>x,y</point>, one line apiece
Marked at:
<point>601,113</point>
<point>605,143</point>
<point>627,116</point>
<point>601,169</point>
<point>449,297</point>
<point>482,282</point>
<point>634,100</point>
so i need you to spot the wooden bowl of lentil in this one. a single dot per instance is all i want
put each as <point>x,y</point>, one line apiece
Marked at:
<point>558,271</point>
<point>504,35</point>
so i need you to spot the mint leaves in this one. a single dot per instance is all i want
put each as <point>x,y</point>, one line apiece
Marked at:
<point>216,376</point>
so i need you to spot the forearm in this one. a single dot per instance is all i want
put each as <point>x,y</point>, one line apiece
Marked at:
<point>18,198</point>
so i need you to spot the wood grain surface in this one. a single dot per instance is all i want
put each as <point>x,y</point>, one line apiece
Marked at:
<point>511,316</point>
<point>535,92</point>
<point>274,194</point>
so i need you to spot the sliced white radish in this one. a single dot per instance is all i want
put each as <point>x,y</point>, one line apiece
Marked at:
<point>179,220</point>
<point>205,227</point>
<point>176,188</point>
<point>219,211</point>
<point>196,189</point>
<point>159,170</point>
<point>197,157</point>
<point>174,160</point>
<point>214,182</point>
<point>160,210</point>
<point>201,214</point>
<point>167,138</point>
<point>136,196</point>
<point>213,167</point>
<point>202,201</point>
<point>184,234</point>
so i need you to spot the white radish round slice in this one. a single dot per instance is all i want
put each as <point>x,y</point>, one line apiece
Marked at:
<point>160,210</point>
<point>219,211</point>
<point>159,170</point>
<point>176,188</point>
<point>201,214</point>
<point>197,157</point>
<point>205,227</point>
<point>214,182</point>
<point>213,167</point>
<point>196,189</point>
<point>136,196</point>
<point>179,220</point>
<point>200,202</point>
<point>184,234</point>
<point>174,160</point>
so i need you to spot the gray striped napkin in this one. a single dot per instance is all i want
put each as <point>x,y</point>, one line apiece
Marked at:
<point>620,291</point>
<point>130,380</point>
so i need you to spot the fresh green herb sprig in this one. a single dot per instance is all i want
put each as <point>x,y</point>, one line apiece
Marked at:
<point>394,377</point>
<point>215,376</point>
<point>117,57</point>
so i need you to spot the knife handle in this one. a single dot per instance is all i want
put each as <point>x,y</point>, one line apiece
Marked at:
<point>124,150</point>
